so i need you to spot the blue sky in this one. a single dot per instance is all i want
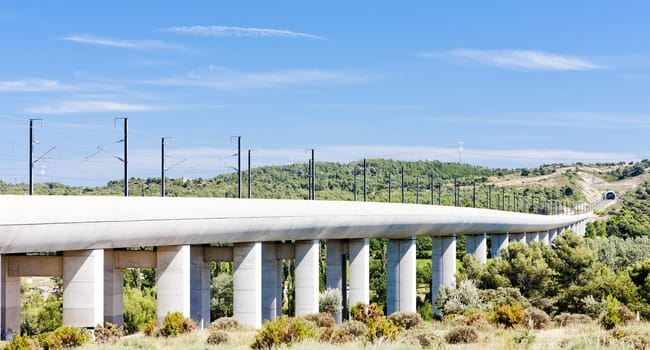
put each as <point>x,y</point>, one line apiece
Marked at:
<point>519,83</point>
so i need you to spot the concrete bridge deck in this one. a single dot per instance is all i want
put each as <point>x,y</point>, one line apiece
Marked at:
<point>59,223</point>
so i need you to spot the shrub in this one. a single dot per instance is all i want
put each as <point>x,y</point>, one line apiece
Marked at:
<point>426,311</point>
<point>537,318</point>
<point>217,337</point>
<point>151,328</point>
<point>458,300</point>
<point>476,318</point>
<point>108,334</point>
<point>565,319</point>
<point>364,312</point>
<point>354,329</point>
<point>22,343</point>
<point>504,296</point>
<point>381,329</point>
<point>334,335</point>
<point>523,337</point>
<point>283,330</point>
<point>626,315</point>
<point>509,315</point>
<point>611,317</point>
<point>65,337</point>
<point>592,307</point>
<point>405,320</point>
<point>330,301</point>
<point>225,324</point>
<point>462,334</point>
<point>175,323</point>
<point>425,339</point>
<point>321,320</point>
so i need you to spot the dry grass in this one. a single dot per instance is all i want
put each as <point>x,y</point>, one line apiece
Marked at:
<point>589,336</point>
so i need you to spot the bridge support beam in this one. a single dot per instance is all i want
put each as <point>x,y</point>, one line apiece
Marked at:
<point>553,234</point>
<point>9,301</point>
<point>247,283</point>
<point>199,287</point>
<point>443,265</point>
<point>477,246</point>
<point>359,253</point>
<point>307,275</point>
<point>113,290</point>
<point>271,282</point>
<point>532,237</point>
<point>173,280</point>
<point>83,288</point>
<point>336,267</point>
<point>544,237</point>
<point>499,242</point>
<point>400,271</point>
<point>518,237</point>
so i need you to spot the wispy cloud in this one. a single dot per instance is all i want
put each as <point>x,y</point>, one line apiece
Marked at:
<point>226,79</point>
<point>123,44</point>
<point>32,85</point>
<point>521,59</point>
<point>222,31</point>
<point>90,106</point>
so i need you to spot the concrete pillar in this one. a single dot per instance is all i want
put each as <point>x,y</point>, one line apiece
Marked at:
<point>113,290</point>
<point>359,253</point>
<point>199,287</point>
<point>9,302</point>
<point>544,237</point>
<point>83,288</point>
<point>517,237</point>
<point>400,271</point>
<point>532,237</point>
<point>307,275</point>
<point>173,280</point>
<point>499,242</point>
<point>247,283</point>
<point>271,282</point>
<point>443,265</point>
<point>582,228</point>
<point>553,234</point>
<point>336,264</point>
<point>477,246</point>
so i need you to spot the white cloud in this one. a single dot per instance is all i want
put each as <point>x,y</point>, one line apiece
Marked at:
<point>222,31</point>
<point>522,59</point>
<point>90,106</point>
<point>32,85</point>
<point>124,44</point>
<point>226,79</point>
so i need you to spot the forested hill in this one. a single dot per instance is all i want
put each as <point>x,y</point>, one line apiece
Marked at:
<point>335,181</point>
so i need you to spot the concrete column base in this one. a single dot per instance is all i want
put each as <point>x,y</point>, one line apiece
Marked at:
<point>336,266</point>
<point>443,265</point>
<point>9,302</point>
<point>83,288</point>
<point>307,275</point>
<point>359,252</point>
<point>113,290</point>
<point>199,287</point>
<point>271,282</point>
<point>173,280</point>
<point>247,283</point>
<point>477,246</point>
<point>499,243</point>
<point>400,271</point>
